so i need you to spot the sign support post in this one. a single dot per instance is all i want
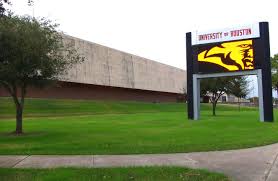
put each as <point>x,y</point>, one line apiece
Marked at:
<point>189,76</point>
<point>196,96</point>
<point>266,72</point>
<point>260,95</point>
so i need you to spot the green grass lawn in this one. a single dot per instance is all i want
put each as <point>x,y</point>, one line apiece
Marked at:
<point>90,127</point>
<point>120,174</point>
<point>59,107</point>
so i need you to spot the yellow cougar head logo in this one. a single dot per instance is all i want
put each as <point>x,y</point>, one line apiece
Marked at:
<point>233,56</point>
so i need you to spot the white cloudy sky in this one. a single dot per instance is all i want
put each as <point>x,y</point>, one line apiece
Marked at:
<point>154,29</point>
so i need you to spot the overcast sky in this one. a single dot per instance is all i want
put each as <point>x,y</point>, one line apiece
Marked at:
<point>153,29</point>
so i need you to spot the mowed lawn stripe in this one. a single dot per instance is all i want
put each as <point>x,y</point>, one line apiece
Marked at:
<point>58,107</point>
<point>165,130</point>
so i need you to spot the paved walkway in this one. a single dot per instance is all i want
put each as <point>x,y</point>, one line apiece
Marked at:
<point>254,164</point>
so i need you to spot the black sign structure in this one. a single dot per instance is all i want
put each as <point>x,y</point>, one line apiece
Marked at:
<point>236,51</point>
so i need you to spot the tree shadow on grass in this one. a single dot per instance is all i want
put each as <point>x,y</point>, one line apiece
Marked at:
<point>24,134</point>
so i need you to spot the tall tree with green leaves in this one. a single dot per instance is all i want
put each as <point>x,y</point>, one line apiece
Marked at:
<point>239,88</point>
<point>33,54</point>
<point>274,71</point>
<point>215,88</point>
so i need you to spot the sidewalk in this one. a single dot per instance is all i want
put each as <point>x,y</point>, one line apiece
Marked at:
<point>254,164</point>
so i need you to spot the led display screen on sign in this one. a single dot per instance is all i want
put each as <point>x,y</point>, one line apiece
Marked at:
<point>227,56</point>
<point>226,50</point>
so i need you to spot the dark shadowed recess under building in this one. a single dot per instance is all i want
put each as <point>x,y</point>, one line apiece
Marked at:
<point>71,90</point>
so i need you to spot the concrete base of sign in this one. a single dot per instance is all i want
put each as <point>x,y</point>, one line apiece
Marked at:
<point>196,88</point>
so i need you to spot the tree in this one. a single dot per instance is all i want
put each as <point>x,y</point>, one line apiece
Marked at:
<point>32,54</point>
<point>274,71</point>
<point>216,87</point>
<point>2,8</point>
<point>239,88</point>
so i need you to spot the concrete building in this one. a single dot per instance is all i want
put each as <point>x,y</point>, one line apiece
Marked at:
<point>109,74</point>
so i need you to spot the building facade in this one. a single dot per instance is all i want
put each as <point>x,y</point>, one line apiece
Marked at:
<point>109,74</point>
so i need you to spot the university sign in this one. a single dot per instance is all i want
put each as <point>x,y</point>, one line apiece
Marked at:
<point>234,51</point>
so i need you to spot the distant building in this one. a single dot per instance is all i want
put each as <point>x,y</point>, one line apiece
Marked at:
<point>109,74</point>
<point>225,98</point>
<point>233,99</point>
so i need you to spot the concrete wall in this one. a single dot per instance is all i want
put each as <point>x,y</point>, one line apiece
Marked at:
<point>109,67</point>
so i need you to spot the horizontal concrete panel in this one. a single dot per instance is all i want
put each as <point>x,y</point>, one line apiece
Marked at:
<point>109,67</point>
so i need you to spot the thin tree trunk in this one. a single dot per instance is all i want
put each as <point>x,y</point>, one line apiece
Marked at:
<point>12,89</point>
<point>213,108</point>
<point>19,112</point>
<point>238,101</point>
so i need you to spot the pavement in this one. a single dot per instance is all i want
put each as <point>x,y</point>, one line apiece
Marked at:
<point>253,164</point>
